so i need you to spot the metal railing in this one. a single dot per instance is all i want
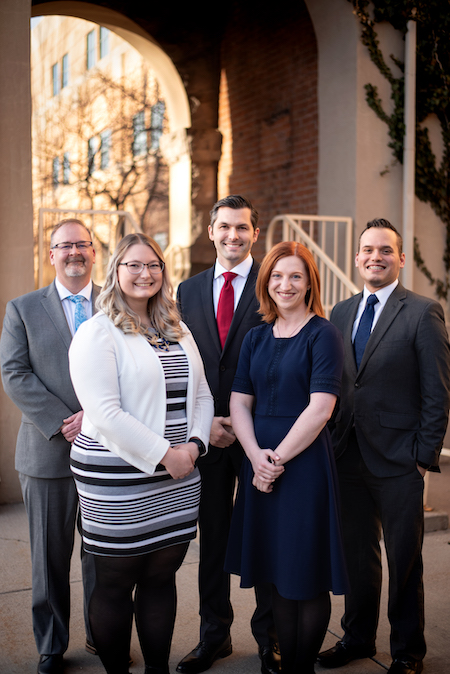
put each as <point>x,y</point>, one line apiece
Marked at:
<point>330,241</point>
<point>107,228</point>
<point>178,262</point>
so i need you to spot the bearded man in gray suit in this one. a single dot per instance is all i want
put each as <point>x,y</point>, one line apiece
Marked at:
<point>388,432</point>
<point>37,331</point>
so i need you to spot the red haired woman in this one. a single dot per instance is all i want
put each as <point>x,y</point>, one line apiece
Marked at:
<point>286,528</point>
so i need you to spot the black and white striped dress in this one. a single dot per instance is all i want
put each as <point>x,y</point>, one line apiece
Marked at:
<point>124,511</point>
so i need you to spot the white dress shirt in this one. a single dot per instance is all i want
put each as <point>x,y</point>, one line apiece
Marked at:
<point>69,306</point>
<point>383,295</point>
<point>242,270</point>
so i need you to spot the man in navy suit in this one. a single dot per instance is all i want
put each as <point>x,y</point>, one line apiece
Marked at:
<point>233,230</point>
<point>388,432</point>
<point>36,336</point>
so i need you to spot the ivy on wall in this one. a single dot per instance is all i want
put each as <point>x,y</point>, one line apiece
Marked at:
<point>432,184</point>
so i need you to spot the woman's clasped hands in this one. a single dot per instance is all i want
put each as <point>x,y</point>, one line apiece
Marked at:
<point>179,461</point>
<point>266,468</point>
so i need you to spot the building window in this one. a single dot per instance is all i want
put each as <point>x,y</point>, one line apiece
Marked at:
<point>55,79</point>
<point>105,146</point>
<point>65,71</point>
<point>90,50</point>
<point>55,171</point>
<point>104,41</point>
<point>66,168</point>
<point>139,135</point>
<point>157,123</point>
<point>92,150</point>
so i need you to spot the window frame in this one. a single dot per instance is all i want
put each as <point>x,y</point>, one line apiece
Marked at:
<point>91,49</point>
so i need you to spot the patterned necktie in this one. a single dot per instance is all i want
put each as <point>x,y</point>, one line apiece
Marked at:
<point>364,328</point>
<point>225,308</point>
<point>80,312</point>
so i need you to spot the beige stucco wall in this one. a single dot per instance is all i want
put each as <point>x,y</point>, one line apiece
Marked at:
<point>16,217</point>
<point>353,142</point>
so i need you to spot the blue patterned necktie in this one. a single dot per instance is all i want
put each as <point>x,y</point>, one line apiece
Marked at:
<point>80,312</point>
<point>364,328</point>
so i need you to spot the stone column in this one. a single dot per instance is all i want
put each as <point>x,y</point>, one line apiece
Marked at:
<point>16,215</point>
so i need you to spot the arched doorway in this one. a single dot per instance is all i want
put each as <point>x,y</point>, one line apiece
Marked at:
<point>175,147</point>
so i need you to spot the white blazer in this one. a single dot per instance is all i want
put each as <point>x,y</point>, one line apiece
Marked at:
<point>120,384</point>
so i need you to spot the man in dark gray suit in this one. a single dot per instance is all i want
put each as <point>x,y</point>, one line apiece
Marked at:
<point>388,432</point>
<point>37,331</point>
<point>233,230</point>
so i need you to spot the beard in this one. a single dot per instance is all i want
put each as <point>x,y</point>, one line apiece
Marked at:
<point>75,267</point>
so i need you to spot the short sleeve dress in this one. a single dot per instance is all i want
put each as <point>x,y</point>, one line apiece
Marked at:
<point>290,537</point>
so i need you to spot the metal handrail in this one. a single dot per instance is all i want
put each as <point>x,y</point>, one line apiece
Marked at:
<point>110,242</point>
<point>178,262</point>
<point>336,284</point>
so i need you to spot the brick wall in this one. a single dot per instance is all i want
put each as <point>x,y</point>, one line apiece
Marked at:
<point>268,110</point>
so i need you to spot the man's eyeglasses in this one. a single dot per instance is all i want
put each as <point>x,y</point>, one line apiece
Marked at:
<point>137,267</point>
<point>79,245</point>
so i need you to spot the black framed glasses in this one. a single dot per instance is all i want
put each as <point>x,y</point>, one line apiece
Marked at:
<point>137,267</point>
<point>79,245</point>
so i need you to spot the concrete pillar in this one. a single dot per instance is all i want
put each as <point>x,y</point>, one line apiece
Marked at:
<point>16,214</point>
<point>357,177</point>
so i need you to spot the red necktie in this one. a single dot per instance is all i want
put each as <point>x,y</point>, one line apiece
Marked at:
<point>225,308</point>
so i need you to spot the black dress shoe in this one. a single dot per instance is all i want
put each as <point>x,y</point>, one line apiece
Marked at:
<point>50,664</point>
<point>203,656</point>
<point>406,667</point>
<point>343,653</point>
<point>270,659</point>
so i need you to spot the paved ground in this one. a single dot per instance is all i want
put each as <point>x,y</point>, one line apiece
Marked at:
<point>17,649</point>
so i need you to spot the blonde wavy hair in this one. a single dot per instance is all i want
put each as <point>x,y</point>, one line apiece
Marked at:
<point>162,309</point>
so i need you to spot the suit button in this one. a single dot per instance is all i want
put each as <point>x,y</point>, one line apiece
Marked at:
<point>222,368</point>
<point>357,385</point>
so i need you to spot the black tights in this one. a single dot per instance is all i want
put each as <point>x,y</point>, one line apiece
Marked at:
<point>111,607</point>
<point>301,627</point>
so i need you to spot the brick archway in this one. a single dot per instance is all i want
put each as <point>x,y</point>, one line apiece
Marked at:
<point>176,147</point>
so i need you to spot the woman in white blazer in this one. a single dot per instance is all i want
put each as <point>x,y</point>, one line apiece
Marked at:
<point>147,415</point>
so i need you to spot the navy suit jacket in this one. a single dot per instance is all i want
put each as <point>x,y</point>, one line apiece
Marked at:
<point>195,299</point>
<point>398,400</point>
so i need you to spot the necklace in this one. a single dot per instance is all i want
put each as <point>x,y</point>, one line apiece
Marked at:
<point>157,340</point>
<point>296,329</point>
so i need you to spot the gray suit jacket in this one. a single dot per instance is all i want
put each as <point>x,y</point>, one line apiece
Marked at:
<point>398,400</point>
<point>35,374</point>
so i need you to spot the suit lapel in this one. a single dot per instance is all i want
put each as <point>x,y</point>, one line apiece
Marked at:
<point>95,293</point>
<point>245,300</point>
<point>52,305</point>
<point>348,344</point>
<point>208,308</point>
<point>389,313</point>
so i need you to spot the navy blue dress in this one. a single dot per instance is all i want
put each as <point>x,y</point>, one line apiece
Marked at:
<point>290,537</point>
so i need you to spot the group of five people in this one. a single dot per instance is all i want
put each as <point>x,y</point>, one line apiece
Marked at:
<point>147,414</point>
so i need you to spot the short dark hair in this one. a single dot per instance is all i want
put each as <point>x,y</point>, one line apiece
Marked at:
<point>66,222</point>
<point>236,202</point>
<point>383,224</point>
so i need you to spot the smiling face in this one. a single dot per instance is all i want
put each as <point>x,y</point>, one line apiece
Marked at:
<point>378,259</point>
<point>233,235</point>
<point>137,289</point>
<point>73,267</point>
<point>288,285</point>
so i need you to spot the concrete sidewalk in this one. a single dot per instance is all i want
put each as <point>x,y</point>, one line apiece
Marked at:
<point>17,648</point>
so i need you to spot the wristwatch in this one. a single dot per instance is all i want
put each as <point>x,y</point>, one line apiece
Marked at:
<point>200,445</point>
